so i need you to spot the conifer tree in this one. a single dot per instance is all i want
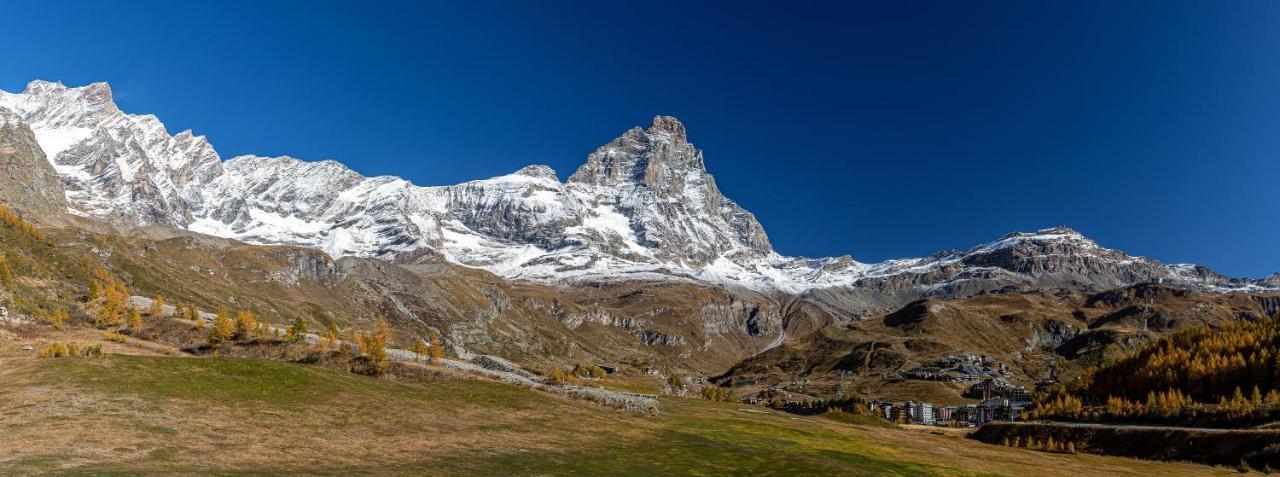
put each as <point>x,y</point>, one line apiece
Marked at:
<point>157,307</point>
<point>6,274</point>
<point>245,324</point>
<point>223,328</point>
<point>437,349</point>
<point>296,330</point>
<point>373,344</point>
<point>420,348</point>
<point>135,320</point>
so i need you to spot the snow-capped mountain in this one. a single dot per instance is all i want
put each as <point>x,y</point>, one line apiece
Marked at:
<point>642,207</point>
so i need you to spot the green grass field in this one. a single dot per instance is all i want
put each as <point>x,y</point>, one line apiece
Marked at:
<point>131,415</point>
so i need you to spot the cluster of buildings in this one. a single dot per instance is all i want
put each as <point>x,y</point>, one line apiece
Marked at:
<point>997,387</point>
<point>959,367</point>
<point>1000,402</point>
<point>966,415</point>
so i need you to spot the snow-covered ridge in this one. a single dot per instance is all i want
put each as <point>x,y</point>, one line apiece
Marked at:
<point>641,207</point>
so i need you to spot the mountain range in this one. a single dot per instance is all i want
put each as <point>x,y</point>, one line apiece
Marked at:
<point>642,207</point>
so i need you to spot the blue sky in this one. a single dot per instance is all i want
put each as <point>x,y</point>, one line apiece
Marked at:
<point>879,130</point>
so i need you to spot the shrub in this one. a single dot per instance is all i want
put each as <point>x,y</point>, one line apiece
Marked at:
<point>716,393</point>
<point>558,376</point>
<point>58,318</point>
<point>114,336</point>
<point>58,349</point>
<point>675,381</point>
<point>55,350</point>
<point>588,371</point>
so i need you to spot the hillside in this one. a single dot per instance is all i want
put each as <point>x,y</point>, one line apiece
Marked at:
<point>1039,336</point>
<point>161,415</point>
<point>1224,375</point>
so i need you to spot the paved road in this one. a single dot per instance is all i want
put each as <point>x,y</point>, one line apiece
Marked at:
<point>1094,425</point>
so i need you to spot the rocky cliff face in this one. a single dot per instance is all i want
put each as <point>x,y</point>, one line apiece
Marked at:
<point>659,181</point>
<point>115,166</point>
<point>28,182</point>
<point>642,207</point>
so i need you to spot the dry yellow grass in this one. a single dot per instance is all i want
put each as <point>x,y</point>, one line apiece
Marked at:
<point>163,415</point>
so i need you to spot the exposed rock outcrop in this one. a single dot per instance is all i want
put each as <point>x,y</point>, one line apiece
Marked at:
<point>28,182</point>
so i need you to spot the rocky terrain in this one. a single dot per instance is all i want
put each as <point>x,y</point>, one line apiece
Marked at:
<point>642,207</point>
<point>28,181</point>
<point>1041,336</point>
<point>636,259</point>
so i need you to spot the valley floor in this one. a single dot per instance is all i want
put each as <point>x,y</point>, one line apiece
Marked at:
<point>139,415</point>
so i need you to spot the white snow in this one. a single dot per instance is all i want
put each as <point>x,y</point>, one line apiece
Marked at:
<point>606,225</point>
<point>54,141</point>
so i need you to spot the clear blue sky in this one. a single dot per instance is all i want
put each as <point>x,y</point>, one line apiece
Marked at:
<point>878,130</point>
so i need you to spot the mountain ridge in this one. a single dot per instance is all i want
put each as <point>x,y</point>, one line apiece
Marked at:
<point>641,206</point>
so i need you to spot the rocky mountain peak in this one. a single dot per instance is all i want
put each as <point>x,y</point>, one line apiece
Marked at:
<point>88,98</point>
<point>539,171</point>
<point>1272,280</point>
<point>669,126</point>
<point>42,86</point>
<point>660,182</point>
<point>642,205</point>
<point>647,157</point>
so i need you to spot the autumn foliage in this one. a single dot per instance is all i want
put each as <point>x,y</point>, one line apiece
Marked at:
<point>1232,371</point>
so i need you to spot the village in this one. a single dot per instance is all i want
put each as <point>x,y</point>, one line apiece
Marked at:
<point>998,398</point>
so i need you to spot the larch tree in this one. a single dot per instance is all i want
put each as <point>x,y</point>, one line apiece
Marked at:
<point>223,328</point>
<point>437,348</point>
<point>373,344</point>
<point>6,274</point>
<point>135,320</point>
<point>157,306</point>
<point>245,324</point>
<point>420,348</point>
<point>297,329</point>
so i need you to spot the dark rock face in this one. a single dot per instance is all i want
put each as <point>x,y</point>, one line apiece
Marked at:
<point>28,182</point>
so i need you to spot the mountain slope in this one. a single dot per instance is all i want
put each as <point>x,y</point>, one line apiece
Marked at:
<point>29,182</point>
<point>642,207</point>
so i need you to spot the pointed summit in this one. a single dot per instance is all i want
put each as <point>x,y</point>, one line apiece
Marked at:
<point>42,86</point>
<point>660,182</point>
<point>652,157</point>
<point>668,125</point>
